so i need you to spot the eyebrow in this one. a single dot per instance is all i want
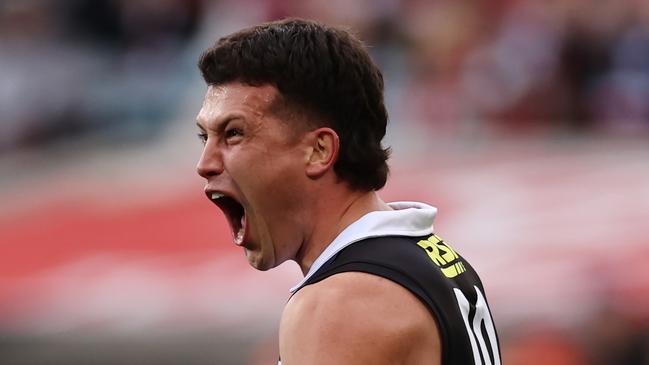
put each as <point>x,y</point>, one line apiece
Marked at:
<point>223,123</point>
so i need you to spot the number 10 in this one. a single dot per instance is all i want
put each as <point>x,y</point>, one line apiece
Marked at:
<point>474,330</point>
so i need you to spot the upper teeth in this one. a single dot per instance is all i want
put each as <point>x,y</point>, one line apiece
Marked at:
<point>216,196</point>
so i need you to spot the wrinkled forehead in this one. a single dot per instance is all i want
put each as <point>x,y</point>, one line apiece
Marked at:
<point>236,97</point>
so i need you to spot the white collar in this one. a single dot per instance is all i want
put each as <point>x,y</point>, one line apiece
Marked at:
<point>410,219</point>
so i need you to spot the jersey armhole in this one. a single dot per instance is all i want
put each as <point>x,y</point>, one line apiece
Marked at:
<point>396,276</point>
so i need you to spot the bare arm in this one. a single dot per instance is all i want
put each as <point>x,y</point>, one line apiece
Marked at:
<point>357,318</point>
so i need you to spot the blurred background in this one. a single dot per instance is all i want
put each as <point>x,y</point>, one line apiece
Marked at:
<point>525,122</point>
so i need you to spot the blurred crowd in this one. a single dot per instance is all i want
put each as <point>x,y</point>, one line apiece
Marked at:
<point>120,69</point>
<point>607,338</point>
<point>73,67</point>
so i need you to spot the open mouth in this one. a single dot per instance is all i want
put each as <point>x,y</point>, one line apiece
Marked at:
<point>234,212</point>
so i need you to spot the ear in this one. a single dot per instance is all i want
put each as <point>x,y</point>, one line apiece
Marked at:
<point>324,146</point>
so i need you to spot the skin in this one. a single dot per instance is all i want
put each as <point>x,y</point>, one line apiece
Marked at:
<point>279,169</point>
<point>342,320</point>
<point>251,155</point>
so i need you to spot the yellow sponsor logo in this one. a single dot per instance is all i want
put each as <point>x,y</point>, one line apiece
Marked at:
<point>443,256</point>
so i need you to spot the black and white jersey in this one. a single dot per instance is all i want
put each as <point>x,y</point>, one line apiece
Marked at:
<point>400,246</point>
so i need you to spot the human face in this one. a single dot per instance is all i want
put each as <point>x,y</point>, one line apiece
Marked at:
<point>253,164</point>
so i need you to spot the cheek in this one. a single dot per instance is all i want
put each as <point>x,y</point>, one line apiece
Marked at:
<point>271,184</point>
<point>276,207</point>
<point>278,175</point>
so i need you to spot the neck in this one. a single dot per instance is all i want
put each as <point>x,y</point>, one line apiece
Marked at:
<point>330,217</point>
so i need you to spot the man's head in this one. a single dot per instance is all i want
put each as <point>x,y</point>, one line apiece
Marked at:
<point>292,124</point>
<point>321,72</point>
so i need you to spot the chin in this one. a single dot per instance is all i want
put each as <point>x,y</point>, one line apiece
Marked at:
<point>258,262</point>
<point>261,266</point>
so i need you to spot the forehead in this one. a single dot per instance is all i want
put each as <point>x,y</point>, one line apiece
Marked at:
<point>236,97</point>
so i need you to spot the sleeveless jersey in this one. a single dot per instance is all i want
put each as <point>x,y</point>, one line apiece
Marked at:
<point>440,278</point>
<point>400,246</point>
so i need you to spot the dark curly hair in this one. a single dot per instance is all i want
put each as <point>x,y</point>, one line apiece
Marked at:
<point>322,70</point>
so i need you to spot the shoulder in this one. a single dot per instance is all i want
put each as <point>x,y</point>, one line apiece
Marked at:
<point>357,318</point>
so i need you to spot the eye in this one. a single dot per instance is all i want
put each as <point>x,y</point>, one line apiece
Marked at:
<point>203,137</point>
<point>232,133</point>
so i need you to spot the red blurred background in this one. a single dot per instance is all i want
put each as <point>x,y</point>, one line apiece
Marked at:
<point>525,123</point>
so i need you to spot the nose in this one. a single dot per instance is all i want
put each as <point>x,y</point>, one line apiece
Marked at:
<point>210,163</point>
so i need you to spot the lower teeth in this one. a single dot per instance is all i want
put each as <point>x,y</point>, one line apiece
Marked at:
<point>239,238</point>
